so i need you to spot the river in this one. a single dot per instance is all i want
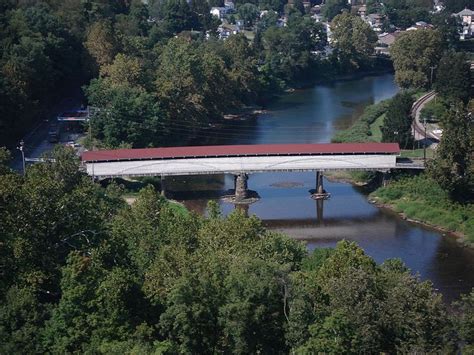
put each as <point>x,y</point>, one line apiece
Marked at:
<point>313,116</point>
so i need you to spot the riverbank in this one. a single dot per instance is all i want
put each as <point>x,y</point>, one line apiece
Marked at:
<point>420,199</point>
<point>417,199</point>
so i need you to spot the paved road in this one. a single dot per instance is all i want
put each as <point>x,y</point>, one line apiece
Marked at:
<point>36,141</point>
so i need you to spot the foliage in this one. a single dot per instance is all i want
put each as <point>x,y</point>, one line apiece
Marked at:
<point>89,273</point>
<point>332,8</point>
<point>457,5</point>
<point>404,13</point>
<point>433,110</point>
<point>349,305</point>
<point>453,77</point>
<point>452,167</point>
<point>414,54</point>
<point>465,311</point>
<point>398,121</point>
<point>354,39</point>
<point>38,58</point>
<point>422,198</point>
<point>248,13</point>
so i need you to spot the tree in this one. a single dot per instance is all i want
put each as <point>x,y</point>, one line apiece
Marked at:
<point>465,321</point>
<point>101,43</point>
<point>453,77</point>
<point>453,6</point>
<point>177,16</point>
<point>452,166</point>
<point>398,121</point>
<point>346,304</point>
<point>128,114</point>
<point>415,54</point>
<point>404,13</point>
<point>248,12</point>
<point>332,8</point>
<point>354,40</point>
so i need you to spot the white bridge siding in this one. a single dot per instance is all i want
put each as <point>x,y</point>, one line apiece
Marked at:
<point>236,165</point>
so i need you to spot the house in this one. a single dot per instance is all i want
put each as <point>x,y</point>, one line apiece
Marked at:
<point>385,41</point>
<point>375,21</point>
<point>218,12</point>
<point>226,29</point>
<point>467,18</point>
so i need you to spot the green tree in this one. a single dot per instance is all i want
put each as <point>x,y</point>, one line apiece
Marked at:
<point>452,166</point>
<point>354,40</point>
<point>465,321</point>
<point>248,12</point>
<point>453,77</point>
<point>345,303</point>
<point>177,16</point>
<point>128,114</point>
<point>398,121</point>
<point>404,13</point>
<point>414,54</point>
<point>332,8</point>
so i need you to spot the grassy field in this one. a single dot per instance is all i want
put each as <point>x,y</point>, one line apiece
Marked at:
<point>361,131</point>
<point>375,128</point>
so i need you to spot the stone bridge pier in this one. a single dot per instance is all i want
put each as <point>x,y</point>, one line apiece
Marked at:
<point>241,187</point>
<point>241,194</point>
<point>319,193</point>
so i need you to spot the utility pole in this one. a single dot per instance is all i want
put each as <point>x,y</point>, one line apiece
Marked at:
<point>21,149</point>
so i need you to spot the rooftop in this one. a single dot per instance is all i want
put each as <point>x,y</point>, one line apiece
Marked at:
<point>240,150</point>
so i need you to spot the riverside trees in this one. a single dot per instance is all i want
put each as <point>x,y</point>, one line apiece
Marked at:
<point>415,54</point>
<point>83,271</point>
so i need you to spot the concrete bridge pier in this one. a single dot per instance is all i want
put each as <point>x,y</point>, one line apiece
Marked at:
<point>241,187</point>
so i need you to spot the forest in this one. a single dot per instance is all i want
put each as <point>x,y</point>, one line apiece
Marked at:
<point>83,271</point>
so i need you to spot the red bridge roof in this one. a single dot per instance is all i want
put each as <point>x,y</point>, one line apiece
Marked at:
<point>240,150</point>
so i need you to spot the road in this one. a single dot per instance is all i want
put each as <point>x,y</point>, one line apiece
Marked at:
<point>36,141</point>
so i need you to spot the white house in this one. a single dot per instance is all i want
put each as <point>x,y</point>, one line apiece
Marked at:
<point>218,11</point>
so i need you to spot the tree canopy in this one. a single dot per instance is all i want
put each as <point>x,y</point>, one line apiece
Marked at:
<point>415,55</point>
<point>85,272</point>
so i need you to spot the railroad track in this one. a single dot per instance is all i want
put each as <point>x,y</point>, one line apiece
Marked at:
<point>415,113</point>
